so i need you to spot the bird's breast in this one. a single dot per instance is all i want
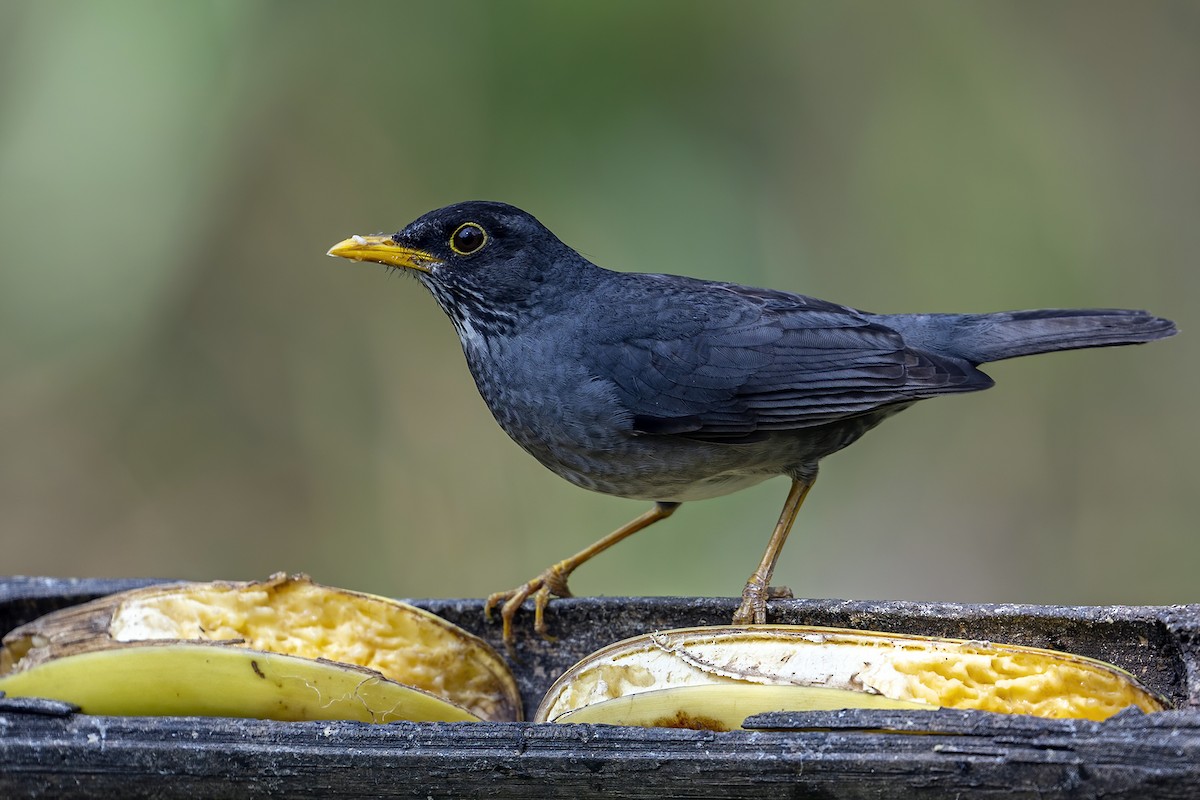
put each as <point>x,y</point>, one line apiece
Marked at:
<point>573,423</point>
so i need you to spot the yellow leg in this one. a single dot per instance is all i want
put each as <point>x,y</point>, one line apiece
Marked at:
<point>753,609</point>
<point>553,581</point>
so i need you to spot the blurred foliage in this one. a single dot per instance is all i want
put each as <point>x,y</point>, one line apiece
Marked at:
<point>190,388</point>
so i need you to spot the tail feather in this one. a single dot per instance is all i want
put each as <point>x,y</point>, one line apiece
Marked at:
<point>979,338</point>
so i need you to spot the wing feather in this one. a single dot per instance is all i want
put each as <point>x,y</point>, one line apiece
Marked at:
<point>735,363</point>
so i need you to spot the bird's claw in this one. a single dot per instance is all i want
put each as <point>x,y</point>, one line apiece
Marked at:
<point>551,583</point>
<point>753,610</point>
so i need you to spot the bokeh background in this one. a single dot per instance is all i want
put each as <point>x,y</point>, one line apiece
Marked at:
<point>190,388</point>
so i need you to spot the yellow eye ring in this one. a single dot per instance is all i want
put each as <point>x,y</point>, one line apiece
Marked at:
<point>468,238</point>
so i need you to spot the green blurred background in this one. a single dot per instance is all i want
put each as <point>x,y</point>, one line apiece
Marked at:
<point>190,388</point>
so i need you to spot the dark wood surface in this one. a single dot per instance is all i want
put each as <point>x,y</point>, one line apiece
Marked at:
<point>47,751</point>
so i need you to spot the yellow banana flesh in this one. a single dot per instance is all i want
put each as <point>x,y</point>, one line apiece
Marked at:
<point>713,674</point>
<point>335,645</point>
<point>218,681</point>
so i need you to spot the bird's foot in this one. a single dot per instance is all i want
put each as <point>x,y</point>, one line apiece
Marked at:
<point>551,583</point>
<point>753,610</point>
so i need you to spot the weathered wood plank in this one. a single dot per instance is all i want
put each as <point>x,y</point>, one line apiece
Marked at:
<point>106,757</point>
<point>45,751</point>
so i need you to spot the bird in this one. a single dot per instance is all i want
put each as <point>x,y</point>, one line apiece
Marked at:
<point>671,389</point>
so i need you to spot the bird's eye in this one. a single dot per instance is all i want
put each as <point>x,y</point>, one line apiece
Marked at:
<point>467,238</point>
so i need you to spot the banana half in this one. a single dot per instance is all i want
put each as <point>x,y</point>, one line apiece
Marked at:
<point>285,648</point>
<point>713,678</point>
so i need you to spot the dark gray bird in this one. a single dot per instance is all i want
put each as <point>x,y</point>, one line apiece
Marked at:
<point>670,389</point>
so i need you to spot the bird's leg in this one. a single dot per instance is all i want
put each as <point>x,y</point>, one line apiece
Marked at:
<point>553,581</point>
<point>753,609</point>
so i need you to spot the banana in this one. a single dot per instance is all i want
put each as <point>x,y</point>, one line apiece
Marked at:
<point>290,649</point>
<point>715,677</point>
<point>285,648</point>
<point>720,707</point>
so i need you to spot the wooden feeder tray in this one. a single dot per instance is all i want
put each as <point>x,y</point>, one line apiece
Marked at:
<point>47,750</point>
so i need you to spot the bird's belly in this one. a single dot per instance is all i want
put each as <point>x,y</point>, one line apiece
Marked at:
<point>598,452</point>
<point>654,468</point>
<point>672,488</point>
<point>576,428</point>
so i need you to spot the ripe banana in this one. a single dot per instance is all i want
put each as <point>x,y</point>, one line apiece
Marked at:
<point>715,677</point>
<point>285,648</point>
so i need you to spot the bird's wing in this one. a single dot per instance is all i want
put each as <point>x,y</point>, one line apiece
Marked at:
<point>735,363</point>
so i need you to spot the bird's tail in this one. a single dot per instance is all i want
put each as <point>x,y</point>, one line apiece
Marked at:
<point>979,338</point>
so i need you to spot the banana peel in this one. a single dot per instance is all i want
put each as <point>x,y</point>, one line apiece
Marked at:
<point>285,648</point>
<point>290,649</point>
<point>720,707</point>
<point>715,677</point>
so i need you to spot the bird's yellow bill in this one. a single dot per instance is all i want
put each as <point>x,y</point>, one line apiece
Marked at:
<point>382,250</point>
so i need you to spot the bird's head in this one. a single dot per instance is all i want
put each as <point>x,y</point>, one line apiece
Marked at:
<point>482,261</point>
